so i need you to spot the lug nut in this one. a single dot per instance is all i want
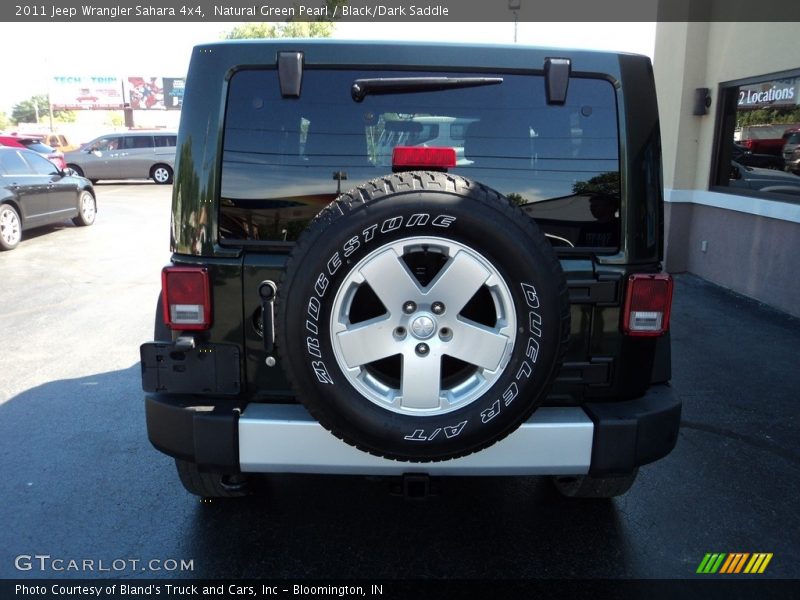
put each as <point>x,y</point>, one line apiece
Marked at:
<point>445,334</point>
<point>400,332</point>
<point>422,349</point>
<point>437,308</point>
<point>409,307</point>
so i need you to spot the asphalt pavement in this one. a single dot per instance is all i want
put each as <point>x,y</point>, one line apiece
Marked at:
<point>81,481</point>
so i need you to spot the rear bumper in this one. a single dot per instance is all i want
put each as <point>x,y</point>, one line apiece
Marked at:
<point>598,438</point>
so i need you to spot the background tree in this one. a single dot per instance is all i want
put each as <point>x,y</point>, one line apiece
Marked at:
<point>517,199</point>
<point>321,28</point>
<point>26,111</point>
<point>299,29</point>
<point>4,122</point>
<point>768,116</point>
<point>605,184</point>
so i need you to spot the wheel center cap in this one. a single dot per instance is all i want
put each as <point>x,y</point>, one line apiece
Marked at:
<point>423,326</point>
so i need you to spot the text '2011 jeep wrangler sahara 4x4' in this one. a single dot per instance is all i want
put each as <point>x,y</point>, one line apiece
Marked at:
<point>336,304</point>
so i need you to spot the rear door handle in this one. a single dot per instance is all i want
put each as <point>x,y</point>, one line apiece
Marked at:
<point>267,291</point>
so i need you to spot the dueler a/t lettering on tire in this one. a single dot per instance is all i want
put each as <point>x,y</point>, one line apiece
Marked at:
<point>422,317</point>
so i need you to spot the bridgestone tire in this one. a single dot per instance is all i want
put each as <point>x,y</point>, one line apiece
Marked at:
<point>398,365</point>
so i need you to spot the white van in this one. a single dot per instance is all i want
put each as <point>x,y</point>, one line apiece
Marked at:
<point>128,155</point>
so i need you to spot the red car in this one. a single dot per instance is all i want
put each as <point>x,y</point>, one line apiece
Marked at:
<point>34,143</point>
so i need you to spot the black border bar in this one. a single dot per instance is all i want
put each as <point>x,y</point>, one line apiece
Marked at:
<point>706,587</point>
<point>445,11</point>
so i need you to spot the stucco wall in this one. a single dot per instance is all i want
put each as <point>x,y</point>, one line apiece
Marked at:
<point>692,55</point>
<point>748,252</point>
<point>753,255</point>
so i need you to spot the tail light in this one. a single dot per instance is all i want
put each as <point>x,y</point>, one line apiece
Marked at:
<point>647,304</point>
<point>186,297</point>
<point>57,158</point>
<point>406,158</point>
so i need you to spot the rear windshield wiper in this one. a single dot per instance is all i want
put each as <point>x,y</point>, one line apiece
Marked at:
<point>408,85</point>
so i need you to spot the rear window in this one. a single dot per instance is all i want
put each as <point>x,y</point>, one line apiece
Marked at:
<point>37,146</point>
<point>137,142</point>
<point>105,144</point>
<point>166,141</point>
<point>12,164</point>
<point>285,159</point>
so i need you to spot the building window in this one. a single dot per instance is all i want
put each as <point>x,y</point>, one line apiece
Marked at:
<point>757,150</point>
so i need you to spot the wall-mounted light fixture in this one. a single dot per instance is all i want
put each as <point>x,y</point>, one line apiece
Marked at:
<point>702,101</point>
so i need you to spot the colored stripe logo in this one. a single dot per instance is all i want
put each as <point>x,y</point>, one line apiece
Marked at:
<point>733,563</point>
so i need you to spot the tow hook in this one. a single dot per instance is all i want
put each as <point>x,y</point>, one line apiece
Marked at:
<point>416,486</point>
<point>184,343</point>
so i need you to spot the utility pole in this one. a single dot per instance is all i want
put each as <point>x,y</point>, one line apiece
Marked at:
<point>514,6</point>
<point>50,109</point>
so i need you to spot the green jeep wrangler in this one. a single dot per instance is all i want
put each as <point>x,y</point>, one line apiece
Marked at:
<point>355,289</point>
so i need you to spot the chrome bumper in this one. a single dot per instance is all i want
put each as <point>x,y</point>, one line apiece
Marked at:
<point>284,438</point>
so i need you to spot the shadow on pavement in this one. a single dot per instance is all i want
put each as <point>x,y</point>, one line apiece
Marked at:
<point>82,482</point>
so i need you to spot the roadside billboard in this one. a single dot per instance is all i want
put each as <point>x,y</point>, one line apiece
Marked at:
<point>116,93</point>
<point>173,92</point>
<point>145,93</point>
<point>86,93</point>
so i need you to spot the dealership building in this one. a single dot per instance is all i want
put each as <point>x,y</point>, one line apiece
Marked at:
<point>732,224</point>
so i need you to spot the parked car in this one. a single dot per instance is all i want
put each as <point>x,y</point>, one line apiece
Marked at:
<point>791,151</point>
<point>36,145</point>
<point>129,155</point>
<point>793,162</point>
<point>764,180</point>
<point>59,141</point>
<point>34,192</point>
<point>765,139</point>
<point>422,322</point>
<point>743,156</point>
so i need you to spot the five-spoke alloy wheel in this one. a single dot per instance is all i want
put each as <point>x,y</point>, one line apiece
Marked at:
<point>444,358</point>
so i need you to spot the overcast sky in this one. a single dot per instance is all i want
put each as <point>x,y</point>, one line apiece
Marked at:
<point>35,52</point>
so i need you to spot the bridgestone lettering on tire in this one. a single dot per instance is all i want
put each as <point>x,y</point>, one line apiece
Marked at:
<point>422,317</point>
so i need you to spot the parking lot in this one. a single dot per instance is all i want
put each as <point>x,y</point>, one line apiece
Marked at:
<point>81,481</point>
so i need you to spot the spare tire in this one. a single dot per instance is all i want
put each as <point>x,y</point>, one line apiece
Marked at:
<point>422,317</point>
